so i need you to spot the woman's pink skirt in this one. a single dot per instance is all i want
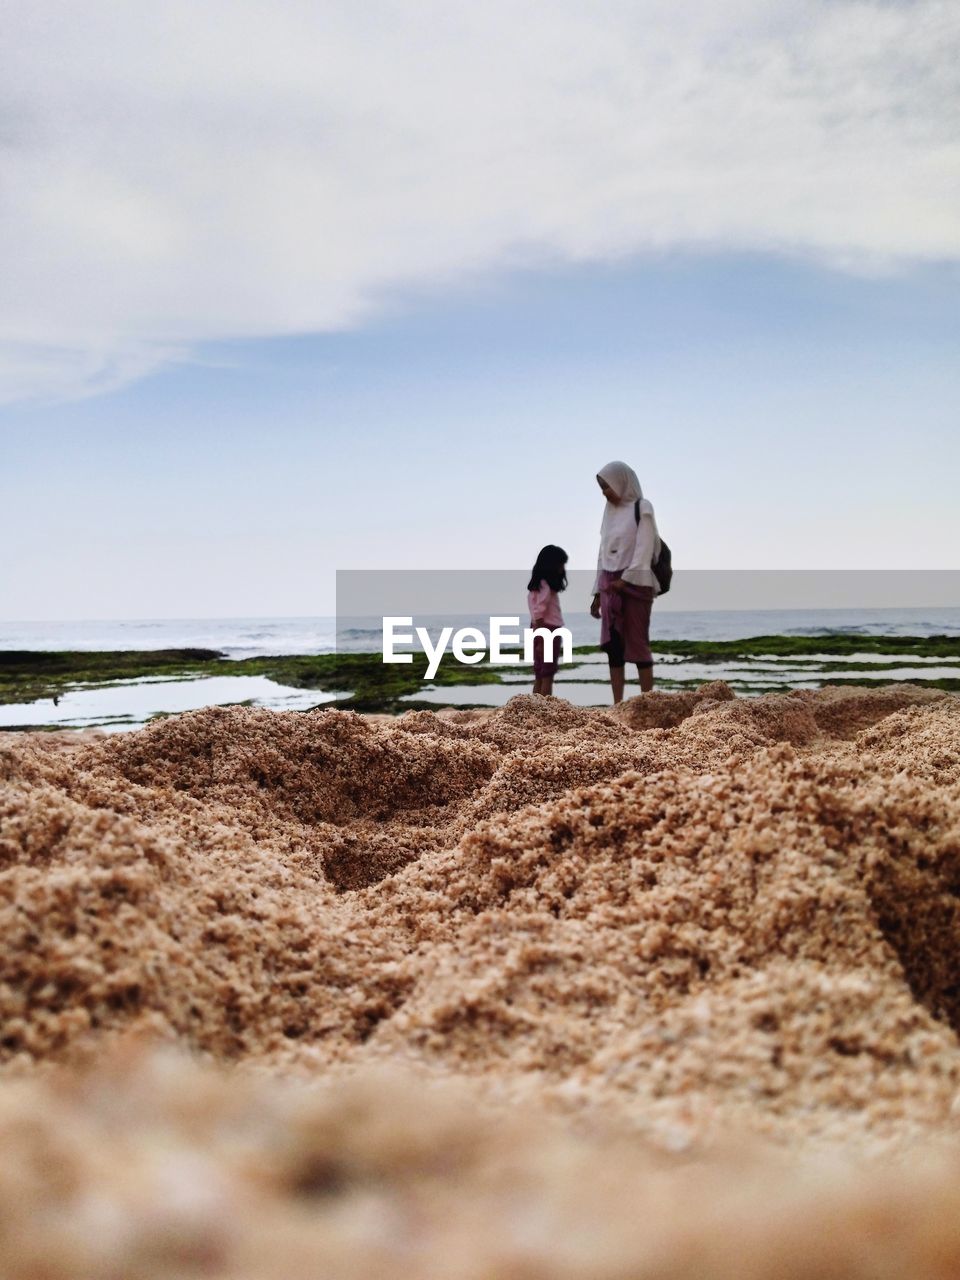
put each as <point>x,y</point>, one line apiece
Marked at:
<point>625,621</point>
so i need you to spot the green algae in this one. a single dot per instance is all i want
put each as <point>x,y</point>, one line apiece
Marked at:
<point>27,676</point>
<point>834,643</point>
<point>366,683</point>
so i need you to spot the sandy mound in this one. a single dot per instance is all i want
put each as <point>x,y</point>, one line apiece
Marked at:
<point>665,710</point>
<point>919,744</point>
<point>843,712</point>
<point>152,1168</point>
<point>696,916</point>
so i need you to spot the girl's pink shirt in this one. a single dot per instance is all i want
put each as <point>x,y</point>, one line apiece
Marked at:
<point>544,606</point>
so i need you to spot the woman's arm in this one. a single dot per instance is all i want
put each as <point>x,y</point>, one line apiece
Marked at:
<point>595,602</point>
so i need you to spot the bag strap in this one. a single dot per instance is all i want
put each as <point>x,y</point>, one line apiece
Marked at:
<point>636,512</point>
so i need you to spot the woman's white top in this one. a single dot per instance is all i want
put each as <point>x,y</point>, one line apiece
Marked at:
<point>629,548</point>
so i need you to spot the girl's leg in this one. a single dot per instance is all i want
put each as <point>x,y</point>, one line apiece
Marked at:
<point>537,664</point>
<point>646,678</point>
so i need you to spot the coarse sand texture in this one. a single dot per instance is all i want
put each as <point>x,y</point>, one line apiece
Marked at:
<point>665,991</point>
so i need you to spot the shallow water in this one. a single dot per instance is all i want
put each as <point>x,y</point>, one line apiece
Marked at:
<point>131,703</point>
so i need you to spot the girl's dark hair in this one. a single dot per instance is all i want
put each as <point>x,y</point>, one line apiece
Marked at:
<point>550,568</point>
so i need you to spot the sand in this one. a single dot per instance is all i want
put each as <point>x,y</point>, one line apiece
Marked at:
<point>541,991</point>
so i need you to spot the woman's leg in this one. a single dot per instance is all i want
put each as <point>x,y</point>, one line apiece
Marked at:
<point>618,670</point>
<point>636,631</point>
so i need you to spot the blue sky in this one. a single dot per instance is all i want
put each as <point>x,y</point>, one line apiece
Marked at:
<point>779,415</point>
<point>291,291</point>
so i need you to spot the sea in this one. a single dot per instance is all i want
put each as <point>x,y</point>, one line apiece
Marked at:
<point>239,638</point>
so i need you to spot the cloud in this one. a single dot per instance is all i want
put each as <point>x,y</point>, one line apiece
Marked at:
<point>177,173</point>
<point>43,372</point>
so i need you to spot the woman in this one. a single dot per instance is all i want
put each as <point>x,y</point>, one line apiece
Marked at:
<point>625,585</point>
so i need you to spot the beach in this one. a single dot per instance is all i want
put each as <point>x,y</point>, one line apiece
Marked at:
<point>479,641</point>
<point>538,990</point>
<point>119,676</point>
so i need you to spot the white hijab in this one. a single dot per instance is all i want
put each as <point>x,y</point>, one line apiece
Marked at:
<point>622,480</point>
<point>618,531</point>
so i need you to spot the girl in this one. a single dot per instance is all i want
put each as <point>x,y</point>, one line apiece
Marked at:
<point>625,585</point>
<point>548,579</point>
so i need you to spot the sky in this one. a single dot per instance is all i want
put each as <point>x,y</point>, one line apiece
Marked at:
<point>294,287</point>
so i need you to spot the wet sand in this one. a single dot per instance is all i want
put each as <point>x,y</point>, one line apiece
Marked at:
<point>540,991</point>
